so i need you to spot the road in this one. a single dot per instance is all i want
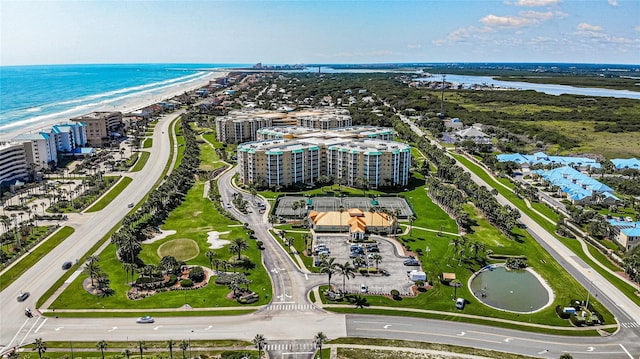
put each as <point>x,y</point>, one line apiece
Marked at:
<point>89,229</point>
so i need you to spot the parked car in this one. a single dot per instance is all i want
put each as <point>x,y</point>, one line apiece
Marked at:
<point>66,265</point>
<point>146,319</point>
<point>411,262</point>
<point>460,303</point>
<point>23,296</point>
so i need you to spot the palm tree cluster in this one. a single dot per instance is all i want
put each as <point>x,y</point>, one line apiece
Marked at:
<point>161,201</point>
<point>504,218</point>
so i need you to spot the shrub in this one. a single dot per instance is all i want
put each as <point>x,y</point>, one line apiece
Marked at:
<point>172,280</point>
<point>196,274</point>
<point>186,283</point>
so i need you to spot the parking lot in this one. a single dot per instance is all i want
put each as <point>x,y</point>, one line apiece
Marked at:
<point>326,204</point>
<point>392,263</point>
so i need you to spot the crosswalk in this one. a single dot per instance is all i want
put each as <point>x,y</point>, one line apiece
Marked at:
<point>291,347</point>
<point>631,325</point>
<point>291,307</point>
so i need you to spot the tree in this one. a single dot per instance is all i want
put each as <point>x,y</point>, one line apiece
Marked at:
<point>141,347</point>
<point>259,342</point>
<point>211,255</point>
<point>456,283</point>
<point>184,345</point>
<point>40,346</point>
<point>328,266</point>
<point>170,344</point>
<point>238,246</point>
<point>346,270</point>
<point>101,345</point>
<point>319,340</point>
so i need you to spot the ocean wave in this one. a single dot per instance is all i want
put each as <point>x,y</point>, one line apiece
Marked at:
<point>64,114</point>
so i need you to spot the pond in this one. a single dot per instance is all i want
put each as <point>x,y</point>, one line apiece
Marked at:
<point>512,290</point>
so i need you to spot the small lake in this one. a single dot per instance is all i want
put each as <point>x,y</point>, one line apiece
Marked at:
<point>516,291</point>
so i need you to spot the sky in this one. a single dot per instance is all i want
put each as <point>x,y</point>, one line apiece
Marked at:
<point>305,32</point>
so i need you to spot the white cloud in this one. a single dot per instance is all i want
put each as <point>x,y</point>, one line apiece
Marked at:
<point>588,27</point>
<point>533,3</point>
<point>506,21</point>
<point>613,3</point>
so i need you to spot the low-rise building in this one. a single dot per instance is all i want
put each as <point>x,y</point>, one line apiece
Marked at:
<point>100,126</point>
<point>626,233</point>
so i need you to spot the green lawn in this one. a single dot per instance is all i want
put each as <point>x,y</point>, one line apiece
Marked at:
<point>144,157</point>
<point>32,258</point>
<point>193,219</point>
<point>111,195</point>
<point>626,288</point>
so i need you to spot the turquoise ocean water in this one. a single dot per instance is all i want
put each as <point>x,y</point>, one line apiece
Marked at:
<point>33,94</point>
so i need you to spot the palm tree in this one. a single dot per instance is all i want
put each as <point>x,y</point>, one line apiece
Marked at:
<point>346,270</point>
<point>237,246</point>
<point>210,254</point>
<point>455,284</point>
<point>184,345</point>
<point>141,347</point>
<point>318,340</point>
<point>329,267</point>
<point>170,344</point>
<point>40,346</point>
<point>259,342</point>
<point>101,345</point>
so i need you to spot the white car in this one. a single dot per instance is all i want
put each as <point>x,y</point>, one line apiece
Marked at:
<point>146,319</point>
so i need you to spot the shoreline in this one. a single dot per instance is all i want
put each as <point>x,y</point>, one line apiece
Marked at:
<point>134,103</point>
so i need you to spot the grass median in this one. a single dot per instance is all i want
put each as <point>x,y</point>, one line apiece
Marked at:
<point>36,255</point>
<point>111,195</point>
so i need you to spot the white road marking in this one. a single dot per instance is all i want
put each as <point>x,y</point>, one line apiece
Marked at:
<point>626,351</point>
<point>41,324</point>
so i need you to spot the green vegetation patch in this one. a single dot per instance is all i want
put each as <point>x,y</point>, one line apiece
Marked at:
<point>183,249</point>
<point>111,195</point>
<point>36,255</point>
<point>142,161</point>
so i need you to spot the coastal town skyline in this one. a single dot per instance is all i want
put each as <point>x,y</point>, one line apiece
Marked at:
<point>277,32</point>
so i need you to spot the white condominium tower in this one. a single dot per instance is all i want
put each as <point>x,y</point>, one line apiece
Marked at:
<point>342,156</point>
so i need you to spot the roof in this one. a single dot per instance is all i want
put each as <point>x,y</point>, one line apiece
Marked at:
<point>624,163</point>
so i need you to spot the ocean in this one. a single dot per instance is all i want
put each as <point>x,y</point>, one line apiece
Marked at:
<point>41,94</point>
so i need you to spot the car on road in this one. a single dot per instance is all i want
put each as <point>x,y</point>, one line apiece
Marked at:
<point>146,319</point>
<point>66,265</point>
<point>23,296</point>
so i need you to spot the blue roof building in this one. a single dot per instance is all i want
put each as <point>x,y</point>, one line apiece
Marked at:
<point>624,163</point>
<point>544,159</point>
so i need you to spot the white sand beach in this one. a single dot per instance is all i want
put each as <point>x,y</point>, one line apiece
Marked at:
<point>130,104</point>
